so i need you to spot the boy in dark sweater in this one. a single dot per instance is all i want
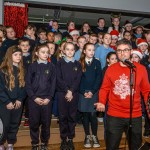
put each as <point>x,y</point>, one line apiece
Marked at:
<point>30,35</point>
<point>27,60</point>
<point>10,41</point>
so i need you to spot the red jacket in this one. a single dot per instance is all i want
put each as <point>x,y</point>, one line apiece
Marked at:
<point>116,90</point>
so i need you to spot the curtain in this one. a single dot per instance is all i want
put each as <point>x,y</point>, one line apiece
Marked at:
<point>16,15</point>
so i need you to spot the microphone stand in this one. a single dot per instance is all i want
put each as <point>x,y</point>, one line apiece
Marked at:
<point>131,106</point>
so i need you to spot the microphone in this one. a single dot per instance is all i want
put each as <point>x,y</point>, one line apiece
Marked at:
<point>128,63</point>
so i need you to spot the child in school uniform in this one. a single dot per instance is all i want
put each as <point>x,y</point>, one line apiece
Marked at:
<point>68,79</point>
<point>80,42</point>
<point>24,45</point>
<point>40,87</point>
<point>52,50</point>
<point>8,42</point>
<point>12,93</point>
<point>111,59</point>
<point>89,87</point>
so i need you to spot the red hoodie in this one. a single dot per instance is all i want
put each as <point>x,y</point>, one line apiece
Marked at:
<point>116,88</point>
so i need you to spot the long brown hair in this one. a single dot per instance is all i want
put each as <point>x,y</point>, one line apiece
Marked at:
<point>7,69</point>
<point>58,51</point>
<point>82,58</point>
<point>37,49</point>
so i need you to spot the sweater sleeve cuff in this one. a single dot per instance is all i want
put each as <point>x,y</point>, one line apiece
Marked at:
<point>7,102</point>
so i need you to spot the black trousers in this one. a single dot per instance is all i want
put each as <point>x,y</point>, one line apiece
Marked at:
<point>26,106</point>
<point>39,116</point>
<point>67,115</point>
<point>11,121</point>
<point>90,118</point>
<point>116,126</point>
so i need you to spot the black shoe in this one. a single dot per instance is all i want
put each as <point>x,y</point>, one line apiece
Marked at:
<point>70,145</point>
<point>35,147</point>
<point>63,145</point>
<point>87,141</point>
<point>44,146</point>
<point>146,133</point>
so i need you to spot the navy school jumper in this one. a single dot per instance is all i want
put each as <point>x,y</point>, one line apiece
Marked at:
<point>68,78</point>
<point>40,82</point>
<point>11,118</point>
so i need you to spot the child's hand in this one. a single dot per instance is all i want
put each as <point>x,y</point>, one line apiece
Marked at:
<point>69,96</point>
<point>46,101</point>
<point>86,95</point>
<point>39,101</point>
<point>17,104</point>
<point>10,106</point>
<point>90,94</point>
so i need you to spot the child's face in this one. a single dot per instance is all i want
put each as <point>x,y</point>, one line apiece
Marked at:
<point>116,21</point>
<point>139,30</point>
<point>56,39</point>
<point>93,40</point>
<point>1,34</point>
<point>55,25</point>
<point>24,46</point>
<point>127,36</point>
<point>42,36</point>
<point>112,59</point>
<point>69,51</point>
<point>50,37</point>
<point>89,51</point>
<point>10,33</point>
<point>128,27</point>
<point>51,48</point>
<point>147,37</point>
<point>114,41</point>
<point>75,37</point>
<point>87,37</point>
<point>43,53</point>
<point>107,39</point>
<point>86,27</point>
<point>30,31</point>
<point>81,43</point>
<point>101,23</point>
<point>100,39</point>
<point>143,47</point>
<point>135,58</point>
<point>71,26</point>
<point>16,57</point>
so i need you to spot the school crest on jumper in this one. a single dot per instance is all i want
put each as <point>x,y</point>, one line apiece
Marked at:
<point>75,68</point>
<point>122,87</point>
<point>46,71</point>
<point>28,62</point>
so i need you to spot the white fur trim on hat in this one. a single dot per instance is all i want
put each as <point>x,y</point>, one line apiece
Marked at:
<point>142,44</point>
<point>137,53</point>
<point>114,37</point>
<point>74,32</point>
<point>128,24</point>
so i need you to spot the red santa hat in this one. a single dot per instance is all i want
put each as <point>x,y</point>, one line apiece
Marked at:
<point>138,53</point>
<point>73,31</point>
<point>127,22</point>
<point>114,34</point>
<point>141,41</point>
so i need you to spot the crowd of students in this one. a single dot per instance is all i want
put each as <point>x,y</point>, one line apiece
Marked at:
<point>47,71</point>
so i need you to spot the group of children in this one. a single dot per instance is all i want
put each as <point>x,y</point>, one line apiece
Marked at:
<point>54,74</point>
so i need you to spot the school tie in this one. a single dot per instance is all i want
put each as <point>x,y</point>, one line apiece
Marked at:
<point>49,59</point>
